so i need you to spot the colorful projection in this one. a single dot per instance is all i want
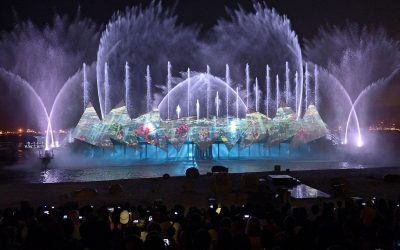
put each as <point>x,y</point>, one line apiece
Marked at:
<point>256,128</point>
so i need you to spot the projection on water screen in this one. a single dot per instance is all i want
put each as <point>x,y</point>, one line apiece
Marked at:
<point>202,101</point>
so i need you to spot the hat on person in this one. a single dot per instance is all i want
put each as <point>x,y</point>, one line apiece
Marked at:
<point>124,217</point>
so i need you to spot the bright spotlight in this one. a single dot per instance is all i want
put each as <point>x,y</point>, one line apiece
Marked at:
<point>359,142</point>
<point>149,126</point>
<point>233,126</point>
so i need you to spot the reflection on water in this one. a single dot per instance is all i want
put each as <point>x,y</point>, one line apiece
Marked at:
<point>49,176</point>
<point>67,169</point>
<point>302,191</point>
<point>67,166</point>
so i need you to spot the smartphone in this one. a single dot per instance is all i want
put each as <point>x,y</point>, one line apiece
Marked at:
<point>136,221</point>
<point>212,202</point>
<point>150,218</point>
<point>80,217</point>
<point>65,216</point>
<point>166,242</point>
<point>46,212</point>
<point>110,209</point>
<point>246,216</point>
<point>218,210</point>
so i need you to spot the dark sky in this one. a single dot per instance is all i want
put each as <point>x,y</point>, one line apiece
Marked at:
<point>306,15</point>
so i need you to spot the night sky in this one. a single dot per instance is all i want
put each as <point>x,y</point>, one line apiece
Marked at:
<point>306,17</point>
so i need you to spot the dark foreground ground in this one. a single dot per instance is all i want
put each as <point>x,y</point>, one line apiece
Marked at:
<point>364,183</point>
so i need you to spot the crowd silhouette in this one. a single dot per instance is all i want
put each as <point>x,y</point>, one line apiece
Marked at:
<point>343,224</point>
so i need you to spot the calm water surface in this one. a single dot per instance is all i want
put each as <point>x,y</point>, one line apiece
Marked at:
<point>65,168</point>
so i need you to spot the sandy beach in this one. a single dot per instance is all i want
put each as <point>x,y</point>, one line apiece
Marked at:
<point>365,183</point>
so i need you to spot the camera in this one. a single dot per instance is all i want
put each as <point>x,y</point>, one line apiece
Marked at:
<point>158,202</point>
<point>166,242</point>
<point>212,203</point>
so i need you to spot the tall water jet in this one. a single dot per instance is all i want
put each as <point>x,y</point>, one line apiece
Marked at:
<point>308,89</point>
<point>70,138</point>
<point>356,55</point>
<point>188,92</point>
<point>228,84</point>
<point>217,101</point>
<point>169,85</point>
<point>128,86</point>
<point>208,91</point>
<point>18,80</point>
<point>257,37</point>
<point>268,89</point>
<point>247,84</point>
<point>316,87</point>
<point>198,84</point>
<point>107,91</point>
<point>278,93</point>
<point>257,94</point>
<point>178,111</point>
<point>335,82</point>
<point>287,83</point>
<point>359,141</point>
<point>148,89</point>
<point>49,135</point>
<point>85,87</point>
<point>296,83</point>
<point>300,96</point>
<point>197,109</point>
<point>237,102</point>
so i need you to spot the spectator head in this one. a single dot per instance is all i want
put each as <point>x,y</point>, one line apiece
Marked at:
<point>74,216</point>
<point>226,222</point>
<point>202,240</point>
<point>224,239</point>
<point>171,231</point>
<point>154,227</point>
<point>253,227</point>
<point>154,241</point>
<point>124,217</point>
